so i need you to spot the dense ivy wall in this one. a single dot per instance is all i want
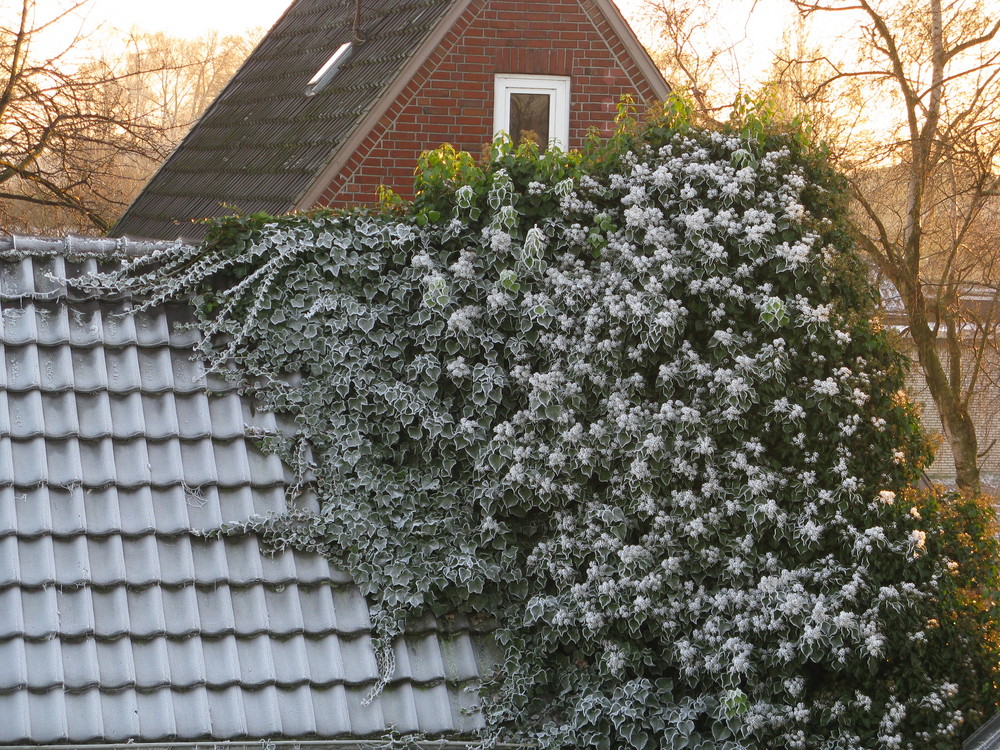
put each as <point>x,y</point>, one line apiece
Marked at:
<point>630,403</point>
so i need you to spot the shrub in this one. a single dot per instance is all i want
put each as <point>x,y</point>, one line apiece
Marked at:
<point>631,403</point>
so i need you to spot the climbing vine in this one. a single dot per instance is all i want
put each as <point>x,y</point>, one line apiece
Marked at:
<point>630,403</point>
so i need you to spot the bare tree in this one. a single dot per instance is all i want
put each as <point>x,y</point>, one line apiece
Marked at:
<point>925,183</point>
<point>687,42</point>
<point>63,124</point>
<point>174,80</point>
<point>79,139</point>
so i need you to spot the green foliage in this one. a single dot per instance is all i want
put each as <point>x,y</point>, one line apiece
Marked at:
<point>629,402</point>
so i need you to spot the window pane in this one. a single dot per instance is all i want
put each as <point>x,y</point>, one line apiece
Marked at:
<point>529,118</point>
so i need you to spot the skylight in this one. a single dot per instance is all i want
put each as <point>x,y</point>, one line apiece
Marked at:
<point>329,69</point>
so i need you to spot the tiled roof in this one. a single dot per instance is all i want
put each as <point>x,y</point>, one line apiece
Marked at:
<point>263,141</point>
<point>118,620</point>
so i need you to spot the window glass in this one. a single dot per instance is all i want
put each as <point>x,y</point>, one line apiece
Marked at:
<point>529,117</point>
<point>533,106</point>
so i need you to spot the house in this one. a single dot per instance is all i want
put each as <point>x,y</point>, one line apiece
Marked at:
<point>342,96</point>
<point>120,621</point>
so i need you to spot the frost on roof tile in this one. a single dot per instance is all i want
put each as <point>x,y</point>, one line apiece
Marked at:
<point>119,620</point>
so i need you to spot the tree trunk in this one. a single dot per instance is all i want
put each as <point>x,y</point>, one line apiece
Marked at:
<point>956,421</point>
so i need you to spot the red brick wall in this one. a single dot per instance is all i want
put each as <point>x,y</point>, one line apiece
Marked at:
<point>450,100</point>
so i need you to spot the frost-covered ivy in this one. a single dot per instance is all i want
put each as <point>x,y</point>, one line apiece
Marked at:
<point>631,404</point>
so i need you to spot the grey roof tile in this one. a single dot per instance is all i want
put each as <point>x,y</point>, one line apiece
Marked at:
<point>152,329</point>
<point>118,326</point>
<point>176,561</point>
<point>126,413</point>
<point>11,620</point>
<point>19,325</point>
<point>123,370</point>
<point>55,368</point>
<point>145,612</point>
<point>120,715</point>
<point>107,561</point>
<point>111,618</point>
<point>118,620</point>
<point>48,716</point>
<point>203,507</point>
<point>365,719</point>
<point>296,711</point>
<point>331,711</point>
<point>229,714</point>
<point>76,612</point>
<point>94,413</point>
<point>180,610</point>
<point>168,508</point>
<point>64,466</point>
<point>89,372</point>
<point>68,506</point>
<point>326,664</point>
<point>256,663</point>
<point>44,662</point>
<point>261,707</point>
<point>156,714</point>
<point>209,556</point>
<point>59,412</point>
<point>79,663</point>
<point>194,418</point>
<point>399,701</point>
<point>101,462</point>
<point>142,565</point>
<point>52,323</point>
<point>10,564</point>
<point>239,503</point>
<point>249,609</point>
<point>285,611</point>
<point>186,661</point>
<point>291,665</point>
<point>198,464</point>
<point>164,465</point>
<point>358,658</point>
<point>9,499</point>
<point>32,515</point>
<point>215,610</point>
<point>191,712</point>
<point>6,459</point>
<point>263,141</point>
<point>85,326</point>
<point>116,667</point>
<point>137,510</point>
<point>14,674</point>
<point>83,710</point>
<point>101,509</point>
<point>14,716</point>
<point>71,560</point>
<point>36,564</point>
<point>39,612</point>
<point>222,661</point>
<point>319,612</point>
<point>152,663</point>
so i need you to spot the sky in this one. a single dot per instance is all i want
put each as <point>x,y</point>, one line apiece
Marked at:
<point>182,17</point>
<point>193,18</point>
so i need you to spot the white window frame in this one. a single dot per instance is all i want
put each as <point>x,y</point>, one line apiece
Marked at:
<point>557,87</point>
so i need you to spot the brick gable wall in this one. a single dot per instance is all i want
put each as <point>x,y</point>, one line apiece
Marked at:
<point>450,99</point>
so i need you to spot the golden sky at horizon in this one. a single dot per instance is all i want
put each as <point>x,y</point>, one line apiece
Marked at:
<point>102,21</point>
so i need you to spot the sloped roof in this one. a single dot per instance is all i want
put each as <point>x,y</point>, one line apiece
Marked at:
<point>119,621</point>
<point>262,142</point>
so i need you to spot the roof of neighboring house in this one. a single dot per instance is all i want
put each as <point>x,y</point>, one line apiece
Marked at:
<point>119,620</point>
<point>262,142</point>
